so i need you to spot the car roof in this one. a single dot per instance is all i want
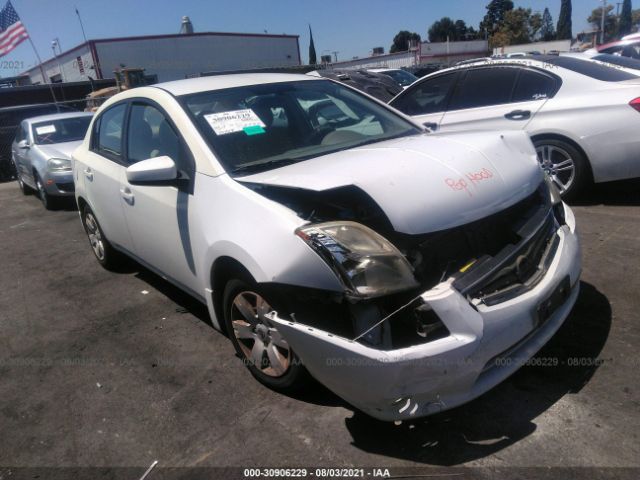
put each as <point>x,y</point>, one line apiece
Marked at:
<point>619,43</point>
<point>57,116</point>
<point>222,81</point>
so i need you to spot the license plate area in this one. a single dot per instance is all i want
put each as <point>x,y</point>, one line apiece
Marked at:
<point>547,307</point>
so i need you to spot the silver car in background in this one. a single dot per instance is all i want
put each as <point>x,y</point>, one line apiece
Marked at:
<point>41,153</point>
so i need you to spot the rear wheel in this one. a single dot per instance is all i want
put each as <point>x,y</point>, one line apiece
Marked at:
<point>566,166</point>
<point>106,255</point>
<point>257,341</point>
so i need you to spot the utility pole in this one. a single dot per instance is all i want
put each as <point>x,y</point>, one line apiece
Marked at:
<point>335,56</point>
<point>604,12</point>
<point>55,44</point>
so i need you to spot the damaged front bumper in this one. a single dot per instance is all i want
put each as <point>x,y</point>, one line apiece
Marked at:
<point>485,345</point>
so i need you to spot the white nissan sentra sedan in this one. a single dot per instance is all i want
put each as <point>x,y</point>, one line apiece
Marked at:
<point>327,233</point>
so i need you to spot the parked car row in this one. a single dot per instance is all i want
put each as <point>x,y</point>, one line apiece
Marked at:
<point>408,269</point>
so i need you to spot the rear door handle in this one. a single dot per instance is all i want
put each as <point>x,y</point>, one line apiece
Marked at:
<point>431,125</point>
<point>88,173</point>
<point>518,115</point>
<point>127,195</point>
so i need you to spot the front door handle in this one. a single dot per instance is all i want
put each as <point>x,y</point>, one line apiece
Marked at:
<point>518,115</point>
<point>88,173</point>
<point>127,195</point>
<point>431,125</point>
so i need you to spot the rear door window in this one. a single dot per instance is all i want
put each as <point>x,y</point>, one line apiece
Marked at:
<point>483,87</point>
<point>533,85</point>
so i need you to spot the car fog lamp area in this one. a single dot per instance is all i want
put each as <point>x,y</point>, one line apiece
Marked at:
<point>367,263</point>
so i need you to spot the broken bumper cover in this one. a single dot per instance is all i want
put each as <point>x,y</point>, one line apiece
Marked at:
<point>485,345</point>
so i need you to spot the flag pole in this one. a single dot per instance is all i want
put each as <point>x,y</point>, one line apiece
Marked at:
<point>81,25</point>
<point>44,77</point>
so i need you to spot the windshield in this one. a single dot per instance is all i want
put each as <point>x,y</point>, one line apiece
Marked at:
<point>401,77</point>
<point>60,130</point>
<point>260,127</point>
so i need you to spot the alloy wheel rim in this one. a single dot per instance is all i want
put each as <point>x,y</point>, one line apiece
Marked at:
<point>262,345</point>
<point>558,164</point>
<point>95,237</point>
<point>41,192</point>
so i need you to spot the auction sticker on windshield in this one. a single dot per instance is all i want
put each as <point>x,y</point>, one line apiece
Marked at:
<point>46,129</point>
<point>235,121</point>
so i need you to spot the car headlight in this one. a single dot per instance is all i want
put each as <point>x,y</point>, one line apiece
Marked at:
<point>367,263</point>
<point>59,165</point>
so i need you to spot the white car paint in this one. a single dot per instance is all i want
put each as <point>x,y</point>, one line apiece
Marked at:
<point>593,114</point>
<point>423,183</point>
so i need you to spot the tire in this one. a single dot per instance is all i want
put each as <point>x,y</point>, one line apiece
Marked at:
<point>279,368</point>
<point>565,164</point>
<point>47,200</point>
<point>104,252</point>
<point>24,188</point>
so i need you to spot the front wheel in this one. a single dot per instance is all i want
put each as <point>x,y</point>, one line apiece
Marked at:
<point>566,166</point>
<point>257,341</point>
<point>106,255</point>
<point>47,200</point>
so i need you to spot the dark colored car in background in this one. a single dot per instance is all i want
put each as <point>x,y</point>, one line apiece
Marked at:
<point>377,85</point>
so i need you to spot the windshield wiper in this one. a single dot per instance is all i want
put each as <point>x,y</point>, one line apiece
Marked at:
<point>261,166</point>
<point>391,137</point>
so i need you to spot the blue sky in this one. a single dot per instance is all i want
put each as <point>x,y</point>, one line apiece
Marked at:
<point>351,27</point>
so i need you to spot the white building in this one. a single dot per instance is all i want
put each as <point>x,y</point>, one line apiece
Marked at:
<point>170,57</point>
<point>445,53</point>
<point>542,47</point>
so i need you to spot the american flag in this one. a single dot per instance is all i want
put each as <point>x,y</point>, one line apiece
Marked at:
<point>12,32</point>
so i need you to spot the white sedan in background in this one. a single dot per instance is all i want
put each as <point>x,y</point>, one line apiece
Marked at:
<point>328,233</point>
<point>583,117</point>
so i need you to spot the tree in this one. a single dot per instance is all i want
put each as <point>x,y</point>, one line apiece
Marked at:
<point>626,19</point>
<point>401,41</point>
<point>535,24</point>
<point>547,30</point>
<point>312,49</point>
<point>635,15</point>
<point>564,21</point>
<point>446,27</point>
<point>494,17</point>
<point>518,26</point>
<point>610,26</point>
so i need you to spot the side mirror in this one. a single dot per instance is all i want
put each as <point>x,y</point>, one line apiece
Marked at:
<point>23,144</point>
<point>153,170</point>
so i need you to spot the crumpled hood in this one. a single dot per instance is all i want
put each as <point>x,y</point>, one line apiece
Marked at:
<point>59,150</point>
<point>428,182</point>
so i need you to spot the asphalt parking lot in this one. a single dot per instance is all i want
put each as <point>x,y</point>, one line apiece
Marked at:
<point>101,369</point>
